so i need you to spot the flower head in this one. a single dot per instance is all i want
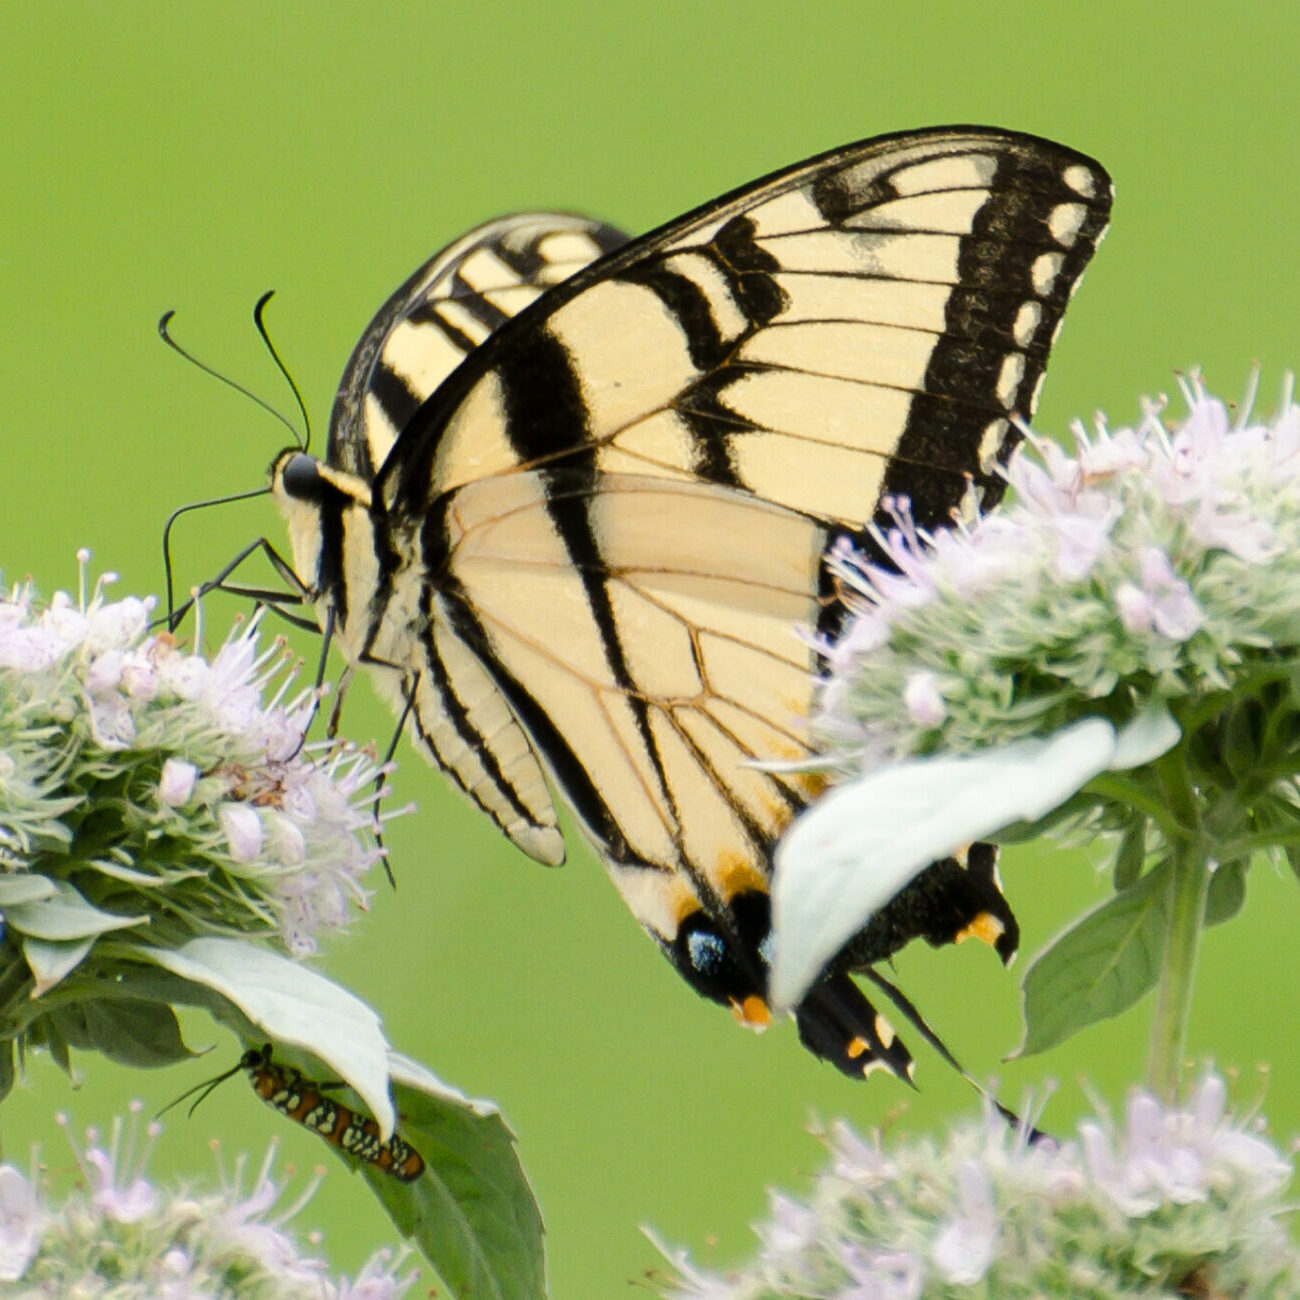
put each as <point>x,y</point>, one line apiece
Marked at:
<point>1170,1194</point>
<point>150,798</point>
<point>192,786</point>
<point>1148,565</point>
<point>119,1234</point>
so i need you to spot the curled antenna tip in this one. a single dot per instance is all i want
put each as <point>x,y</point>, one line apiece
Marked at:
<point>164,320</point>
<point>260,305</point>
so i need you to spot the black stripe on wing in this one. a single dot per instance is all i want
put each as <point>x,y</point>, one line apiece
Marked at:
<point>543,403</point>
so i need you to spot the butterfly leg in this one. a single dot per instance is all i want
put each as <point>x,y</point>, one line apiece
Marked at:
<point>297,594</point>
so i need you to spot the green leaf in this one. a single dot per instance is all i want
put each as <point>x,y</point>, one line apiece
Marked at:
<point>857,846</point>
<point>290,1003</point>
<point>1099,967</point>
<point>471,1212</point>
<point>133,1032</point>
<point>1129,857</point>
<point>24,887</point>
<point>65,915</point>
<point>1226,893</point>
<point>7,1071</point>
<point>51,963</point>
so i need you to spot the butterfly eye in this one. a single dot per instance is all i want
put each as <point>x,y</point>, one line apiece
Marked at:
<point>301,477</point>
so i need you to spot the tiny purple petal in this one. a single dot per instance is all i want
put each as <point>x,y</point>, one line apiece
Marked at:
<point>19,1224</point>
<point>1177,615</point>
<point>111,722</point>
<point>965,1248</point>
<point>791,1228</point>
<point>122,1204</point>
<point>176,782</point>
<point>117,625</point>
<point>243,831</point>
<point>923,699</point>
<point>104,671</point>
<point>1136,608</point>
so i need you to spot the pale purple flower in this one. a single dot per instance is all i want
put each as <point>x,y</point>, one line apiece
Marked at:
<point>1080,540</point>
<point>965,1247</point>
<point>184,675</point>
<point>858,1160</point>
<point>879,1274</point>
<point>110,626</point>
<point>243,831</point>
<point>1163,603</point>
<point>1176,1156</point>
<point>982,1209</point>
<point>104,671</point>
<point>1143,565</point>
<point>20,1224</point>
<point>174,1245</point>
<point>176,782</point>
<point>112,723</point>
<point>378,1280</point>
<point>285,831</point>
<point>125,1203</point>
<point>924,700</point>
<point>139,676</point>
<point>791,1227</point>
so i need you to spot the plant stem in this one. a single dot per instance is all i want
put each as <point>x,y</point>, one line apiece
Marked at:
<point>1188,886</point>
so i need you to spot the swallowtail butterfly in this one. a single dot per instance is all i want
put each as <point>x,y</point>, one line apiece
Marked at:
<point>578,491</point>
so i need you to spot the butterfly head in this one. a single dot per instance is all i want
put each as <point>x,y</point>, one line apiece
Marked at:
<point>313,497</point>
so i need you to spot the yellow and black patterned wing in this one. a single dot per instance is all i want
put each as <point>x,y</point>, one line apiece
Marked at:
<point>601,528</point>
<point>449,306</point>
<point>454,302</point>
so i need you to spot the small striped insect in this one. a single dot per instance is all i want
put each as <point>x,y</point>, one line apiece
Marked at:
<point>303,1101</point>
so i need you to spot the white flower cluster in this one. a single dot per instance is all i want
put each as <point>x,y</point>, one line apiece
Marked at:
<point>146,783</point>
<point>118,1234</point>
<point>1173,1198</point>
<point>1150,565</point>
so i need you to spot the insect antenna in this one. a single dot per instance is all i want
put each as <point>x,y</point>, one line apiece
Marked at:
<point>204,1089</point>
<point>164,333</point>
<point>259,319</point>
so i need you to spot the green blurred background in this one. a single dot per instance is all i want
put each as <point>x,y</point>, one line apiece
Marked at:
<point>190,156</point>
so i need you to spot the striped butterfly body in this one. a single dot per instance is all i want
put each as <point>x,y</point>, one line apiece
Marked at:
<point>286,1090</point>
<point>578,492</point>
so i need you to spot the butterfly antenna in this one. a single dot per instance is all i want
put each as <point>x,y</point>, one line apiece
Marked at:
<point>259,313</point>
<point>167,540</point>
<point>164,333</point>
<point>204,1089</point>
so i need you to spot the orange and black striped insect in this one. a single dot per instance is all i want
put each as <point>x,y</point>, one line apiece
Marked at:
<point>305,1102</point>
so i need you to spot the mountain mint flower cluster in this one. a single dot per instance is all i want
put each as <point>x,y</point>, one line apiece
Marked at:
<point>1150,565</point>
<point>143,778</point>
<point>1117,650</point>
<point>1173,1201</point>
<point>148,799</point>
<point>116,1234</point>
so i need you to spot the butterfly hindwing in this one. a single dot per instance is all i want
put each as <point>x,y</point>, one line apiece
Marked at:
<point>441,313</point>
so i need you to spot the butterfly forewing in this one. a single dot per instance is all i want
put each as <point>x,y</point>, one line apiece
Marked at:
<point>595,536</point>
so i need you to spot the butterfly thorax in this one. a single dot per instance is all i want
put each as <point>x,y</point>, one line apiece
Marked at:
<point>346,558</point>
